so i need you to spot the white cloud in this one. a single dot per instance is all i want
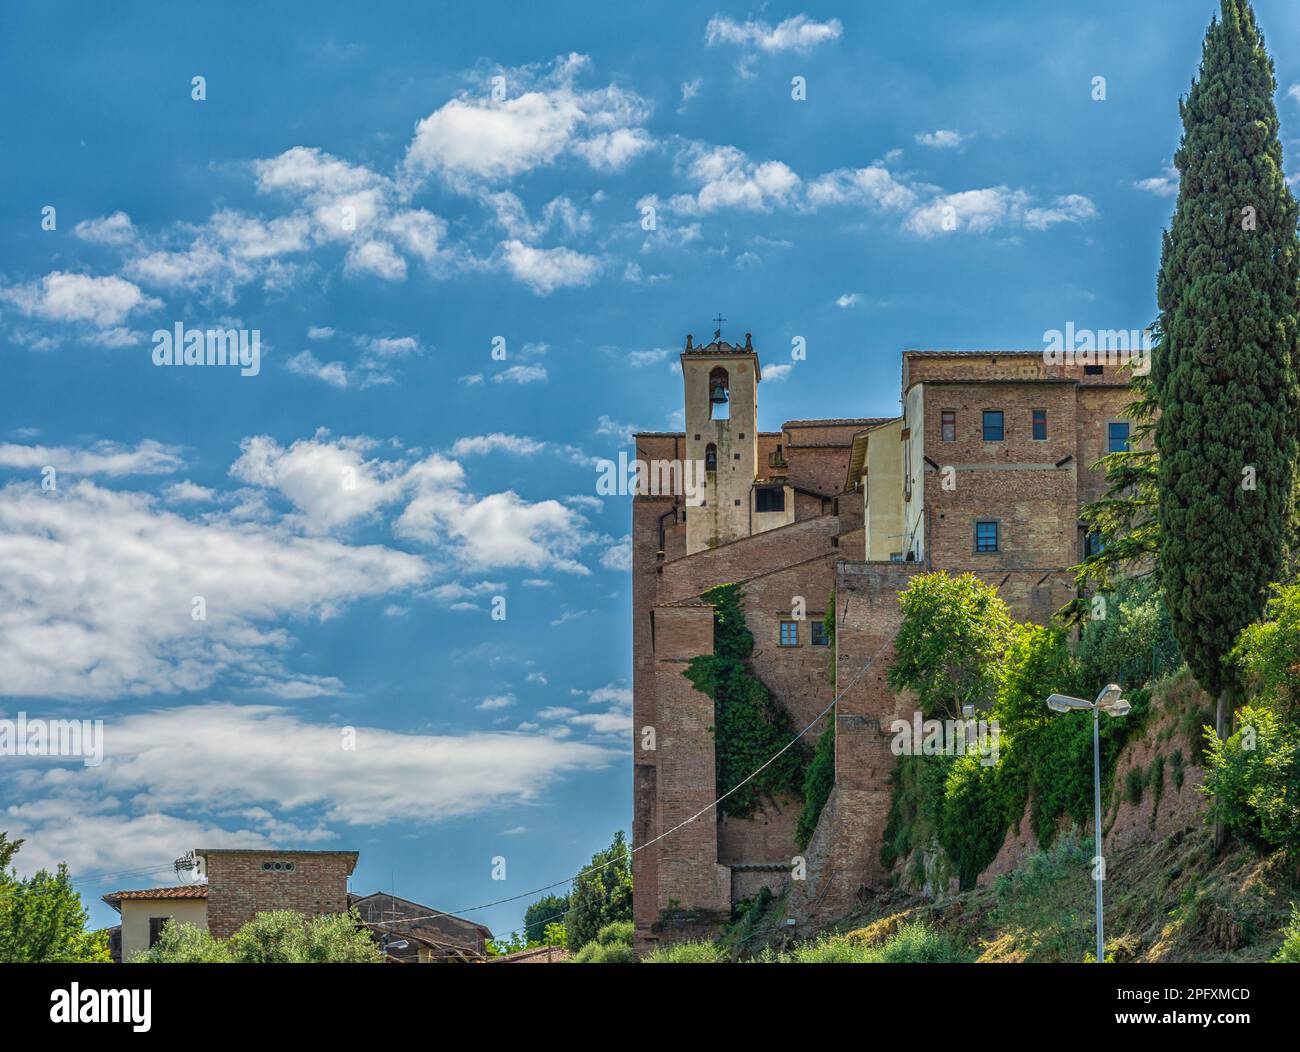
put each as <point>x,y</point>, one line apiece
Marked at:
<point>608,426</point>
<point>618,556</point>
<point>109,613</point>
<point>612,151</point>
<point>307,364</point>
<point>517,444</point>
<point>777,373</point>
<point>1165,184</point>
<point>874,185</point>
<point>65,297</point>
<point>187,492</point>
<point>849,299</point>
<point>496,703</point>
<point>259,774</point>
<point>476,137</point>
<point>103,458</point>
<point>798,34</point>
<point>546,269</point>
<point>330,482</point>
<point>942,139</point>
<point>521,374</point>
<point>319,332</point>
<point>727,178</point>
<point>981,211</point>
<point>376,258</point>
<point>116,229</point>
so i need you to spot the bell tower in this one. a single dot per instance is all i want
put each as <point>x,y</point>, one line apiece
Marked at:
<point>721,382</point>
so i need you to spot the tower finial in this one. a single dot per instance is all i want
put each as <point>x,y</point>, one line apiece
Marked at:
<point>749,341</point>
<point>717,333</point>
<point>689,337</point>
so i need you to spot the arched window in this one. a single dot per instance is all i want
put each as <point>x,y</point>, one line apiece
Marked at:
<point>719,395</point>
<point>710,458</point>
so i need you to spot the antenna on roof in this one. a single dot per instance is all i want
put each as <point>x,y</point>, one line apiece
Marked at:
<point>185,864</point>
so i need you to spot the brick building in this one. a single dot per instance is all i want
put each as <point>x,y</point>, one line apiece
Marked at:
<point>985,470</point>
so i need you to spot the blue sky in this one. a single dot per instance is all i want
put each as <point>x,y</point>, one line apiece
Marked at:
<point>351,189</point>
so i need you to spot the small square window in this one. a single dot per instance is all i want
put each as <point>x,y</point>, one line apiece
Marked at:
<point>1117,437</point>
<point>986,536</point>
<point>737,456</point>
<point>156,925</point>
<point>820,638</point>
<point>993,429</point>
<point>948,426</point>
<point>1093,370</point>
<point>1040,425</point>
<point>789,633</point>
<point>738,504</point>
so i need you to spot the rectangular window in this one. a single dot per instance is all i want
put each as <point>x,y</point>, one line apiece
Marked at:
<point>1092,544</point>
<point>948,426</point>
<point>1040,425</point>
<point>155,928</point>
<point>1093,370</point>
<point>770,499</point>
<point>993,425</point>
<point>986,536</point>
<point>789,633</point>
<point>1117,433</point>
<point>819,635</point>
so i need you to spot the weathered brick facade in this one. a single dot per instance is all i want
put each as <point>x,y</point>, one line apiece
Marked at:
<point>239,886</point>
<point>1031,482</point>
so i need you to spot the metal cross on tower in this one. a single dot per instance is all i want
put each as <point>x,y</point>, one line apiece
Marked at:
<point>717,333</point>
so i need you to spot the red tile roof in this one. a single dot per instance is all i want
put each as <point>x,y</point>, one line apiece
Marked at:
<point>178,891</point>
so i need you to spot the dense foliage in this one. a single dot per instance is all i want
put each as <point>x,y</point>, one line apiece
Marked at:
<point>42,919</point>
<point>965,806</point>
<point>612,944</point>
<point>272,937</point>
<point>1253,779</point>
<point>750,725</point>
<point>602,894</point>
<point>1224,373</point>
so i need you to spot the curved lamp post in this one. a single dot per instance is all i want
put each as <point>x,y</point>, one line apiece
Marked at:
<point>1110,701</point>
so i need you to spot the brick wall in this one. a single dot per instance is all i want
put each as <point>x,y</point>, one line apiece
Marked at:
<point>238,888</point>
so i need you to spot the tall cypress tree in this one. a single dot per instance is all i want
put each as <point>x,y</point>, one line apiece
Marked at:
<point>1224,372</point>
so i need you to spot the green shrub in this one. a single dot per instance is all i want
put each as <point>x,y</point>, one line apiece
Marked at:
<point>1253,779</point>
<point>1177,773</point>
<point>598,953</point>
<point>616,933</point>
<point>1134,782</point>
<point>917,944</point>
<point>912,944</point>
<point>693,952</point>
<point>184,944</point>
<point>1289,951</point>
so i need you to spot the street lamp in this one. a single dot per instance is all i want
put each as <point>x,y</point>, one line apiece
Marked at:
<point>1110,701</point>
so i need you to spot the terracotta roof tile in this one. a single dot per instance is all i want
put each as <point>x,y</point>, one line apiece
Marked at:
<point>178,891</point>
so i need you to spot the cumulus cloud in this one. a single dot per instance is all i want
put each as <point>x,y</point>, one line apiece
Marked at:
<point>546,269</point>
<point>478,138</point>
<point>110,612</point>
<point>242,774</point>
<point>61,296</point>
<point>942,139</point>
<point>116,229</point>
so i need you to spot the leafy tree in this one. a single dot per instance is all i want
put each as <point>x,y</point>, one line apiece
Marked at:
<point>42,919</point>
<point>1268,653</point>
<point>334,938</point>
<point>1134,642</point>
<point>1224,373</point>
<point>601,894</point>
<point>540,914</point>
<point>1037,663</point>
<point>948,648</point>
<point>555,934</point>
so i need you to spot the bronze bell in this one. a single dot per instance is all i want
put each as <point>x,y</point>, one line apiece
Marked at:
<point>719,394</point>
